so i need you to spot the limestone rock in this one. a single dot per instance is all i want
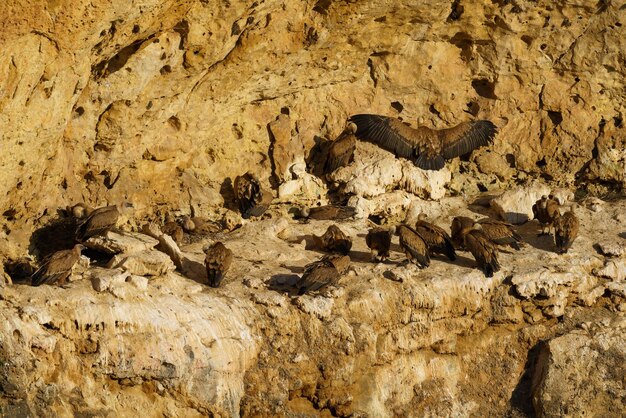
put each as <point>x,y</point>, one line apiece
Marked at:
<point>612,248</point>
<point>593,203</point>
<point>305,187</point>
<point>574,374</point>
<point>286,150</point>
<point>516,206</point>
<point>493,163</point>
<point>105,279</point>
<point>375,172</point>
<point>613,269</point>
<point>116,243</point>
<point>610,163</point>
<point>143,263</point>
<point>562,195</point>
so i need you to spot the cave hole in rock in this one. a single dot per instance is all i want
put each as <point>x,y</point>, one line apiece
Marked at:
<point>481,187</point>
<point>80,111</point>
<point>432,109</point>
<point>484,88</point>
<point>510,159</point>
<point>397,106</point>
<point>166,69</point>
<point>9,214</point>
<point>20,270</point>
<point>235,29</point>
<point>56,235</point>
<point>617,121</point>
<point>108,181</point>
<point>528,40</point>
<point>284,110</point>
<point>136,28</point>
<point>602,6</point>
<point>541,163</point>
<point>456,12</point>
<point>322,6</point>
<point>473,108</point>
<point>175,123</point>
<point>381,19</point>
<point>237,131</point>
<point>117,62</point>
<point>556,117</point>
<point>182,28</point>
<point>463,41</point>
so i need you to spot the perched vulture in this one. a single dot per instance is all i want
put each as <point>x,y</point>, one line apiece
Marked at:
<point>98,222</point>
<point>334,240</point>
<point>501,233</point>
<point>328,212</point>
<point>427,148</point>
<point>171,228</point>
<point>379,242</point>
<point>341,151</point>
<point>565,231</point>
<point>483,249</point>
<point>546,210</point>
<point>253,199</point>
<point>188,224</point>
<point>57,267</point>
<point>460,225</point>
<point>319,274</point>
<point>80,211</point>
<point>414,246</point>
<point>217,261</point>
<point>436,238</point>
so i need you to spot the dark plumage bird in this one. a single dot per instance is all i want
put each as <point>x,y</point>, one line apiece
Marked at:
<point>98,222</point>
<point>252,198</point>
<point>427,148</point>
<point>334,240</point>
<point>80,211</point>
<point>379,242</point>
<point>57,267</point>
<point>436,238</point>
<point>217,261</point>
<point>501,233</point>
<point>341,151</point>
<point>319,274</point>
<point>171,228</point>
<point>483,249</point>
<point>414,246</point>
<point>459,225</point>
<point>546,210</point>
<point>328,212</point>
<point>188,224</point>
<point>565,231</point>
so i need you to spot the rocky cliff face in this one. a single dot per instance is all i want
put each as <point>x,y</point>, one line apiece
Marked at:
<point>159,102</point>
<point>163,102</point>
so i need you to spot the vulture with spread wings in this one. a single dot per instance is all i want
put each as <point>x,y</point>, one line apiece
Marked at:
<point>427,148</point>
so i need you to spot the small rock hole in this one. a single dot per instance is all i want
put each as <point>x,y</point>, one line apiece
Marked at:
<point>397,106</point>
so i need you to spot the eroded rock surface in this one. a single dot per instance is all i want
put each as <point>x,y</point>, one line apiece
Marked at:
<point>164,103</point>
<point>371,346</point>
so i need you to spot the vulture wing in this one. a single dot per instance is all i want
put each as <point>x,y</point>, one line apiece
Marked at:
<point>422,145</point>
<point>466,137</point>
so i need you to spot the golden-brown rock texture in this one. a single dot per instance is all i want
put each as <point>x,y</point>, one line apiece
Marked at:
<point>162,103</point>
